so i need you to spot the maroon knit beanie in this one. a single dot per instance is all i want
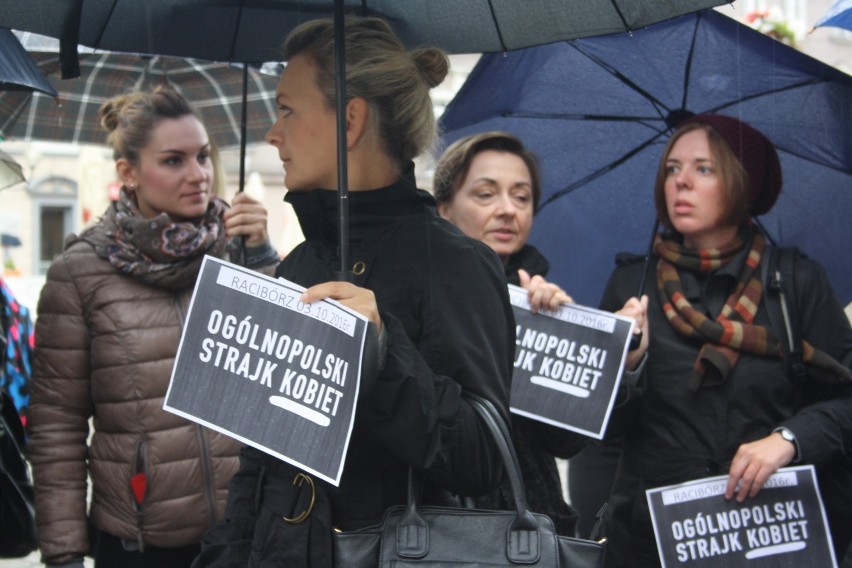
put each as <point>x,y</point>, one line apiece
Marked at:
<point>755,152</point>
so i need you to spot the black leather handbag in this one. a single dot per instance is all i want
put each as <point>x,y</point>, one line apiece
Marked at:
<point>17,502</point>
<point>430,537</point>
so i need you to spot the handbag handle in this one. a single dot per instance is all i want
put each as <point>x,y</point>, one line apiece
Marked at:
<point>523,543</point>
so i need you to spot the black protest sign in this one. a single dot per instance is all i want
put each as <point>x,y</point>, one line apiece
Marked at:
<point>259,365</point>
<point>568,364</point>
<point>782,526</point>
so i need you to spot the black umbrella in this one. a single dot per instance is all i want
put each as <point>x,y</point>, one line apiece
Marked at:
<point>252,30</point>
<point>598,111</point>
<point>18,71</point>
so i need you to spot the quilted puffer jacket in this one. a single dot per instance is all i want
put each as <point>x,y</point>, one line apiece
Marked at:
<point>106,344</point>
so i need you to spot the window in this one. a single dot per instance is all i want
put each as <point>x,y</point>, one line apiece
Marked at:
<point>54,206</point>
<point>54,225</point>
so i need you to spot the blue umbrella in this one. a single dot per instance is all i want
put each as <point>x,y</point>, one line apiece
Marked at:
<point>598,111</point>
<point>838,16</point>
<point>18,71</point>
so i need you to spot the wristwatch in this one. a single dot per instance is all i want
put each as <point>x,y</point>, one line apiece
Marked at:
<point>788,435</point>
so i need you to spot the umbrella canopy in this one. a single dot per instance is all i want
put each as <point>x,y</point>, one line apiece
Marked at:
<point>18,71</point>
<point>838,16</point>
<point>10,171</point>
<point>598,111</point>
<point>252,30</point>
<point>215,89</point>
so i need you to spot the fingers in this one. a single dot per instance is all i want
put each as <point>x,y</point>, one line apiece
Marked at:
<point>754,463</point>
<point>637,308</point>
<point>353,297</point>
<point>543,295</point>
<point>247,217</point>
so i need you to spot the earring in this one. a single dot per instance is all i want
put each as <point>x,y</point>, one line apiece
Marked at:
<point>131,185</point>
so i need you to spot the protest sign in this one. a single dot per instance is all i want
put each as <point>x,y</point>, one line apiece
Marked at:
<point>568,364</point>
<point>783,526</point>
<point>261,366</point>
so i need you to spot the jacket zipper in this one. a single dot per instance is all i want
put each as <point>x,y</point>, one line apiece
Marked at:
<point>139,486</point>
<point>209,490</point>
<point>208,476</point>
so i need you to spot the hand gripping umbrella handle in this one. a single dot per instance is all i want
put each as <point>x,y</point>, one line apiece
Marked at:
<point>636,339</point>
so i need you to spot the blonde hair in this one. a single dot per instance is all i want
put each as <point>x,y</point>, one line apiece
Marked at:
<point>394,82</point>
<point>130,119</point>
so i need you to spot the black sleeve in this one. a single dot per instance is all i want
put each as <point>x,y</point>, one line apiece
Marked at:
<point>823,428</point>
<point>467,343</point>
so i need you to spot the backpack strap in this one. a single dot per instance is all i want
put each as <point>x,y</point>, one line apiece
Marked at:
<point>780,297</point>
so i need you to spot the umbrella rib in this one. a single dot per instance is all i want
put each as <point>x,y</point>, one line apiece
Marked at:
<point>620,15</point>
<point>106,23</point>
<point>237,29</point>
<point>807,83</point>
<point>688,66</point>
<point>599,172</point>
<point>583,117</point>
<point>497,25</point>
<point>621,77</point>
<point>803,84</point>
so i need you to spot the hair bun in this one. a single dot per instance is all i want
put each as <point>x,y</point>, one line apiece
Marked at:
<point>110,111</point>
<point>432,63</point>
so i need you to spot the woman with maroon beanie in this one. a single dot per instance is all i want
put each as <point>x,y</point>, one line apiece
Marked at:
<point>714,397</point>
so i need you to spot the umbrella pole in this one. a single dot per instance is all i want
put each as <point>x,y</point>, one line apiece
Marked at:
<point>243,123</point>
<point>241,256</point>
<point>648,256</point>
<point>637,337</point>
<point>344,274</point>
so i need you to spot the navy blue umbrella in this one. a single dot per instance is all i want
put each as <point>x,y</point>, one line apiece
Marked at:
<point>598,111</point>
<point>838,16</point>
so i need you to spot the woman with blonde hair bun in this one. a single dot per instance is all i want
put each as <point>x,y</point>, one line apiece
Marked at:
<point>109,322</point>
<point>436,300</point>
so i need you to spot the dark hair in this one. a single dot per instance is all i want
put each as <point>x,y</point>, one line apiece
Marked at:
<point>454,163</point>
<point>394,82</point>
<point>733,177</point>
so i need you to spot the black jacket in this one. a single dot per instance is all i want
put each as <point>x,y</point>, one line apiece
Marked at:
<point>673,434</point>
<point>444,304</point>
<point>536,443</point>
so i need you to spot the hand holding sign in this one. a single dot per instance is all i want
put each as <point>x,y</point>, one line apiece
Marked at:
<point>754,462</point>
<point>260,364</point>
<point>782,527</point>
<point>568,364</point>
<point>358,299</point>
<point>637,309</point>
<point>543,295</point>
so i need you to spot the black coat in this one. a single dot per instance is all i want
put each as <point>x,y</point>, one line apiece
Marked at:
<point>444,304</point>
<point>536,443</point>
<point>673,434</point>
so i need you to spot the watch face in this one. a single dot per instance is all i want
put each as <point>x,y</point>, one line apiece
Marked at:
<point>787,435</point>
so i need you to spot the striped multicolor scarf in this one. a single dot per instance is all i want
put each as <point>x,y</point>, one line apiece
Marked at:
<point>732,332</point>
